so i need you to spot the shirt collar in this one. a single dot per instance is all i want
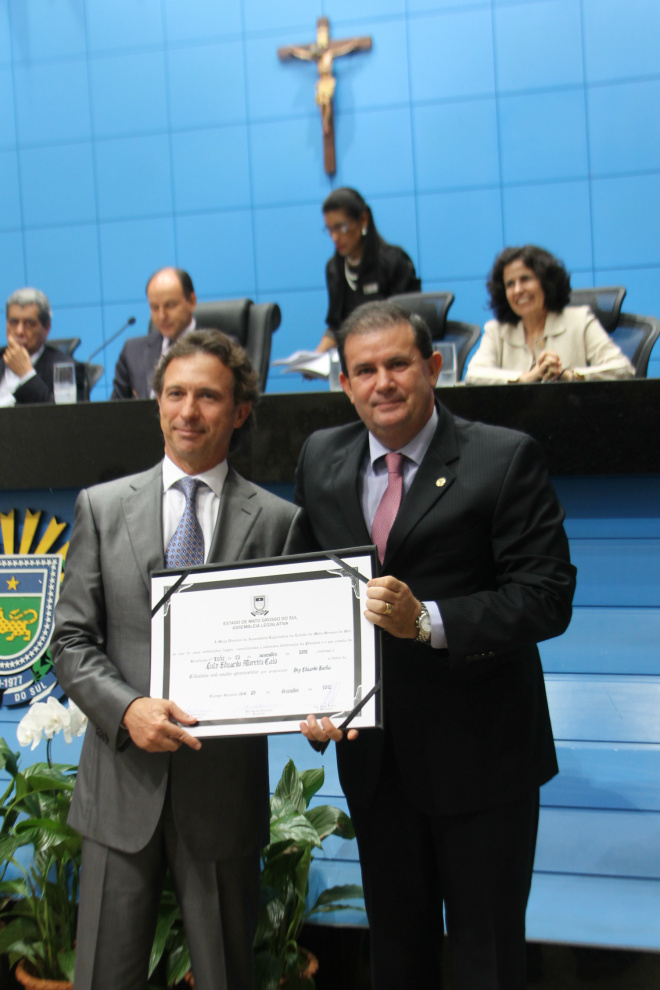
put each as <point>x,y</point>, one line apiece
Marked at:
<point>215,478</point>
<point>415,449</point>
<point>168,342</point>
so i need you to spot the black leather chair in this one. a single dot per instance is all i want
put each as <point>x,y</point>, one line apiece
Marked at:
<point>634,334</point>
<point>604,303</point>
<point>93,372</point>
<point>66,345</point>
<point>251,324</point>
<point>433,308</point>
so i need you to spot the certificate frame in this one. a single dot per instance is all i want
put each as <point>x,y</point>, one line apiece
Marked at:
<point>249,669</point>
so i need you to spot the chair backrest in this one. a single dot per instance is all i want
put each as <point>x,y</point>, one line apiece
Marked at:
<point>465,336</point>
<point>251,324</point>
<point>66,345</point>
<point>431,306</point>
<point>636,335</point>
<point>93,372</point>
<point>604,302</point>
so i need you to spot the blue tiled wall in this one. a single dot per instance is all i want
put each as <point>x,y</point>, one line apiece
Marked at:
<point>137,133</point>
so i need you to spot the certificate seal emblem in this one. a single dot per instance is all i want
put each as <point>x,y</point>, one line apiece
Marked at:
<point>29,587</point>
<point>259,605</point>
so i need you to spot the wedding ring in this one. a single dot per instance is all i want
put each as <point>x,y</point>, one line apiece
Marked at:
<point>388,608</point>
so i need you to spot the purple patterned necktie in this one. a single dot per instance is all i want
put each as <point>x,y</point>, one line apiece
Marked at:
<point>186,548</point>
<point>389,503</point>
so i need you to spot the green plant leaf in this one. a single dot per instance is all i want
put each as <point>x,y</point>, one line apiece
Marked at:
<point>8,759</point>
<point>178,959</point>
<point>293,829</point>
<point>328,820</point>
<point>343,892</point>
<point>17,932</point>
<point>289,790</point>
<point>15,888</point>
<point>267,971</point>
<point>67,960</point>
<point>312,781</point>
<point>166,918</point>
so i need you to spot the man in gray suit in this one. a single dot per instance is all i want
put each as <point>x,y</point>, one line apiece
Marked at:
<point>149,795</point>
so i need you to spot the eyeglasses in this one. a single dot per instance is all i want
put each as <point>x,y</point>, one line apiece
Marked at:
<point>339,228</point>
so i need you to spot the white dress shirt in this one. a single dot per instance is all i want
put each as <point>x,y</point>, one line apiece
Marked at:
<point>372,485</point>
<point>10,381</point>
<point>208,500</point>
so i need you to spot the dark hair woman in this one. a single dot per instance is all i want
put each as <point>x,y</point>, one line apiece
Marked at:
<point>364,267</point>
<point>537,336</point>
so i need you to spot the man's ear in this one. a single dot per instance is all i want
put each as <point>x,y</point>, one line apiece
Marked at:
<point>346,385</point>
<point>435,366</point>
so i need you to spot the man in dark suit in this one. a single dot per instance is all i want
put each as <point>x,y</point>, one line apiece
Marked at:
<point>148,794</point>
<point>172,302</point>
<point>26,369</point>
<point>475,571</point>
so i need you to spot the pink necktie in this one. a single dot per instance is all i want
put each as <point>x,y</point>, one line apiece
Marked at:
<point>389,503</point>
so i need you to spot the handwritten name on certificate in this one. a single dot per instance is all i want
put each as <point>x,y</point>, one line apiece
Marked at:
<point>256,647</point>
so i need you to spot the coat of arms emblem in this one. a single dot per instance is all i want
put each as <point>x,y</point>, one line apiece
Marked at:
<point>29,586</point>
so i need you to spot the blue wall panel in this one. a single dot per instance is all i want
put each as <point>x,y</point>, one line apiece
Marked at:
<point>10,203</point>
<point>122,24</point>
<point>211,169</point>
<point>620,39</point>
<point>57,183</point>
<point>133,177</point>
<point>128,93</point>
<point>199,20</point>
<point>467,126</point>
<point>538,46</point>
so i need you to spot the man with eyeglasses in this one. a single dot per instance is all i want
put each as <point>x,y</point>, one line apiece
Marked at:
<point>26,369</point>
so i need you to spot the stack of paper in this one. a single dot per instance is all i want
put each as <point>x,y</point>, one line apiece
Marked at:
<point>312,364</point>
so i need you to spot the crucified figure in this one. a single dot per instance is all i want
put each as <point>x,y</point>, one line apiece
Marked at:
<point>324,52</point>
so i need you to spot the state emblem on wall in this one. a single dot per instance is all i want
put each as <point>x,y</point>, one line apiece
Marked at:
<point>29,587</point>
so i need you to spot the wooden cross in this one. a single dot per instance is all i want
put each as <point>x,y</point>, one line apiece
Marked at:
<point>324,52</point>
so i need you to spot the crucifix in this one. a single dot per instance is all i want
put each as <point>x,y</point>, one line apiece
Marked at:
<point>323,52</point>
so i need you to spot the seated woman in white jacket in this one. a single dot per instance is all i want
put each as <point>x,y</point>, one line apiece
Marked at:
<point>536,336</point>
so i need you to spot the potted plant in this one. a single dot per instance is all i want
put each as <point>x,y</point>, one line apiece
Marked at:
<point>39,902</point>
<point>295,831</point>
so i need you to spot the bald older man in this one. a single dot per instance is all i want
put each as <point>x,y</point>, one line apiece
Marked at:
<point>172,302</point>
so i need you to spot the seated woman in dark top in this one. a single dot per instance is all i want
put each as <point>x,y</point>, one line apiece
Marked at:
<point>364,267</point>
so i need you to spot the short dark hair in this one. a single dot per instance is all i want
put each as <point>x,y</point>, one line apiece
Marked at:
<point>32,297</point>
<point>373,316</point>
<point>232,355</point>
<point>184,278</point>
<point>555,280</point>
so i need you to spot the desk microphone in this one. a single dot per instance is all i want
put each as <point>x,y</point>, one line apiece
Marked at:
<point>129,323</point>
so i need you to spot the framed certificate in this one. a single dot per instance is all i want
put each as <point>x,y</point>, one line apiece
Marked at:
<point>256,647</point>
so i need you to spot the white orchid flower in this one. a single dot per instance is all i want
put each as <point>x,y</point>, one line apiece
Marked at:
<point>77,721</point>
<point>44,719</point>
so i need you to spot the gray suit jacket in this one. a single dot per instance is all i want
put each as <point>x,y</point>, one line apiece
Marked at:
<point>101,648</point>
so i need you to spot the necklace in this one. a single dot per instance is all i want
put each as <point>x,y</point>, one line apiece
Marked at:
<point>352,274</point>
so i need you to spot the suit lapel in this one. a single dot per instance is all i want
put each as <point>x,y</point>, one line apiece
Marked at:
<point>433,479</point>
<point>152,353</point>
<point>145,527</point>
<point>239,511</point>
<point>345,470</point>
